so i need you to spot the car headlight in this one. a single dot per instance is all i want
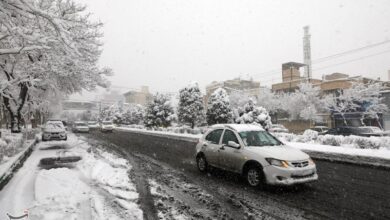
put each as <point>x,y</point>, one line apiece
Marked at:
<point>276,162</point>
<point>311,162</point>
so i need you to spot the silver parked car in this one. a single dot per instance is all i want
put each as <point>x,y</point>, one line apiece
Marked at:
<point>80,126</point>
<point>256,154</point>
<point>54,130</point>
<point>106,126</point>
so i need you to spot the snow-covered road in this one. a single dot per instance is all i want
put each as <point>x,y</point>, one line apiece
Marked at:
<point>96,187</point>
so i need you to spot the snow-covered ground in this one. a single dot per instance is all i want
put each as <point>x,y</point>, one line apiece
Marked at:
<point>96,187</point>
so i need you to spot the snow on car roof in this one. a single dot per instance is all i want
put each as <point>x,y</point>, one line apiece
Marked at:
<point>240,127</point>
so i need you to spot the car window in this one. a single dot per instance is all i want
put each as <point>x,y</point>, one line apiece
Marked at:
<point>214,136</point>
<point>229,136</point>
<point>258,139</point>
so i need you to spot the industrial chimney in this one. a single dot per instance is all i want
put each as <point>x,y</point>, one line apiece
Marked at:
<point>307,52</point>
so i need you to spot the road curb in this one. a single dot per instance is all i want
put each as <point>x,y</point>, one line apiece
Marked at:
<point>365,161</point>
<point>175,136</point>
<point>7,176</point>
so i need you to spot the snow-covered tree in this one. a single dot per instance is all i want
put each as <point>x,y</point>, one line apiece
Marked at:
<point>190,109</point>
<point>304,103</point>
<point>159,112</point>
<point>269,100</point>
<point>134,114</point>
<point>218,108</point>
<point>46,47</point>
<point>365,98</point>
<point>252,114</point>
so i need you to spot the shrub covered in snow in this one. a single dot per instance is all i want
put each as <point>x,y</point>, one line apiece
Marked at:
<point>254,114</point>
<point>218,108</point>
<point>190,107</point>
<point>337,140</point>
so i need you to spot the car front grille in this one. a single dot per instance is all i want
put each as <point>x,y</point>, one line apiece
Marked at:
<point>302,177</point>
<point>300,164</point>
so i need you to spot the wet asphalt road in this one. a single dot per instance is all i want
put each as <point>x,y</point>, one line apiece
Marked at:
<point>344,191</point>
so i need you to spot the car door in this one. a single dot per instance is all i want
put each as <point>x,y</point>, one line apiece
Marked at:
<point>212,145</point>
<point>230,158</point>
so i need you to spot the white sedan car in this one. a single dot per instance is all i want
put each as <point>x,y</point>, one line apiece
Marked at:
<point>256,154</point>
<point>106,126</point>
<point>80,126</point>
<point>54,130</point>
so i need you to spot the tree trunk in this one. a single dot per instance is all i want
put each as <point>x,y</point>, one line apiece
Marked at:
<point>16,115</point>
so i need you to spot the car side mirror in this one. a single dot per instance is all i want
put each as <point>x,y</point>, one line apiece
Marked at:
<point>233,144</point>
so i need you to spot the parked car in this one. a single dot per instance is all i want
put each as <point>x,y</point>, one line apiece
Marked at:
<point>358,131</point>
<point>256,154</point>
<point>278,128</point>
<point>54,130</point>
<point>106,126</point>
<point>93,125</point>
<point>59,120</point>
<point>320,129</point>
<point>80,126</point>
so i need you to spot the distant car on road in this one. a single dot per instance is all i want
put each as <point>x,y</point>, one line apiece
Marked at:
<point>278,128</point>
<point>80,126</point>
<point>54,130</point>
<point>320,129</point>
<point>358,131</point>
<point>256,154</point>
<point>106,126</point>
<point>93,125</point>
<point>59,120</point>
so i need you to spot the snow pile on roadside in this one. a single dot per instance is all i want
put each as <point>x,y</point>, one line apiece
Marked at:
<point>110,174</point>
<point>60,194</point>
<point>337,140</point>
<point>97,187</point>
<point>10,145</point>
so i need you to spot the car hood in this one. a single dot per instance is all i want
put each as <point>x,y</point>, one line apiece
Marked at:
<point>279,152</point>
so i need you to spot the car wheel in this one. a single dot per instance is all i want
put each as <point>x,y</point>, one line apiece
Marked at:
<point>202,164</point>
<point>254,176</point>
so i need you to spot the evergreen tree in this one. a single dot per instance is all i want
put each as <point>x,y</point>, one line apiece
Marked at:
<point>218,108</point>
<point>190,108</point>
<point>159,113</point>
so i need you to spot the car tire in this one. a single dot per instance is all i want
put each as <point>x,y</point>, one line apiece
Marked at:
<point>201,163</point>
<point>254,176</point>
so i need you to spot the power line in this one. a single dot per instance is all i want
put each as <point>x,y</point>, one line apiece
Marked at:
<point>353,60</point>
<point>323,59</point>
<point>326,58</point>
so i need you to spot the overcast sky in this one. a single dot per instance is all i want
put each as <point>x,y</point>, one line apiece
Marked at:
<point>166,44</point>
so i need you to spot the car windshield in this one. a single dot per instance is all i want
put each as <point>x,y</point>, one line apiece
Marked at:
<point>54,125</point>
<point>107,123</point>
<point>91,123</point>
<point>258,139</point>
<point>81,124</point>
